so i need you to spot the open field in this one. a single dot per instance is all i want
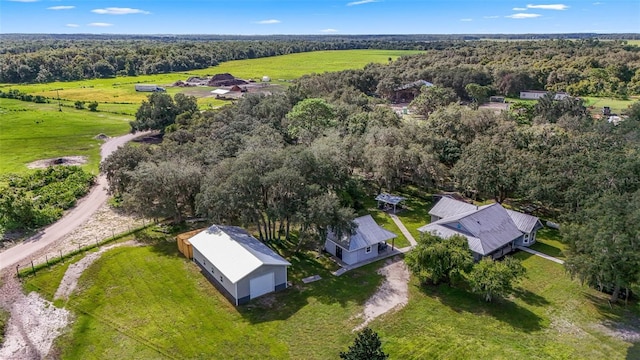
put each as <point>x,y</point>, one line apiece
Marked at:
<point>153,303</point>
<point>279,68</point>
<point>617,106</point>
<point>30,131</point>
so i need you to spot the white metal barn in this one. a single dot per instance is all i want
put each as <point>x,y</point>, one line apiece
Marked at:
<point>239,265</point>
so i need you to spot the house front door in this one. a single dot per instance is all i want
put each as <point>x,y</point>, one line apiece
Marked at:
<point>339,252</point>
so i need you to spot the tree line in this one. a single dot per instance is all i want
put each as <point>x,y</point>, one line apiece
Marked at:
<point>41,60</point>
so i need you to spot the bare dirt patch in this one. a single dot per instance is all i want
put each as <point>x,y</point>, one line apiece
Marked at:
<point>629,332</point>
<point>392,294</point>
<point>34,323</point>
<point>104,223</point>
<point>63,160</point>
<point>71,276</point>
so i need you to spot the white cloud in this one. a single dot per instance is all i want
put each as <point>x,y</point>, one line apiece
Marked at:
<point>523,16</point>
<point>99,24</point>
<point>329,31</point>
<point>519,9</point>
<point>72,25</point>
<point>25,1</point>
<point>119,11</point>
<point>61,7</point>
<point>361,2</point>
<point>268,22</point>
<point>466,20</point>
<point>491,17</point>
<point>549,7</point>
<point>598,3</point>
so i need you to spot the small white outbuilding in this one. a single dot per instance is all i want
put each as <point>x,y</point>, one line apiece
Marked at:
<point>239,265</point>
<point>266,78</point>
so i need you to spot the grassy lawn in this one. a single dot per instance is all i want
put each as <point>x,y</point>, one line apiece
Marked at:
<point>549,241</point>
<point>150,302</point>
<point>617,106</point>
<point>551,317</point>
<point>30,131</point>
<point>280,68</point>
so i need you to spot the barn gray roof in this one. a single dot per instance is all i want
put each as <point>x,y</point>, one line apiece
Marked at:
<point>417,83</point>
<point>234,251</point>
<point>487,227</point>
<point>367,233</point>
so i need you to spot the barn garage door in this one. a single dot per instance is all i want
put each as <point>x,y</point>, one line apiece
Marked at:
<point>261,285</point>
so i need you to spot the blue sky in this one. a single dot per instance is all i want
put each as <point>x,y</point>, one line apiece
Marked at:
<point>265,17</point>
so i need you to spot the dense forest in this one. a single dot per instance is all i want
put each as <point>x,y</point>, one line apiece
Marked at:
<point>301,161</point>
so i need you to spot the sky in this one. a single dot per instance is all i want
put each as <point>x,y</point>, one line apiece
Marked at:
<point>302,17</point>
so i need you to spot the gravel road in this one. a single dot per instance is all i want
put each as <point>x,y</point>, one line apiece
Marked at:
<point>88,205</point>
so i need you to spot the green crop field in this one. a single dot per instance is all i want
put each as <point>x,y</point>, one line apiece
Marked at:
<point>30,131</point>
<point>279,68</point>
<point>150,302</point>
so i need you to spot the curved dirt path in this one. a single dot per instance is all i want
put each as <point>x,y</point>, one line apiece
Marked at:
<point>72,219</point>
<point>394,291</point>
<point>69,281</point>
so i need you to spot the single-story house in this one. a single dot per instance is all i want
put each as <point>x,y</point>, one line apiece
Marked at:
<point>239,265</point>
<point>537,94</point>
<point>368,241</point>
<point>491,229</point>
<point>407,92</point>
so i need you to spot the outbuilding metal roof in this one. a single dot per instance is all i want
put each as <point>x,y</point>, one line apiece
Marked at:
<point>220,91</point>
<point>368,233</point>
<point>234,251</point>
<point>390,199</point>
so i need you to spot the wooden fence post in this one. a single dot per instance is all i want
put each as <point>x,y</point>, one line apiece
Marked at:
<point>33,268</point>
<point>46,259</point>
<point>18,270</point>
<point>60,251</point>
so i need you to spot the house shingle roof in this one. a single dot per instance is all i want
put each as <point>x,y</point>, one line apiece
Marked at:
<point>487,227</point>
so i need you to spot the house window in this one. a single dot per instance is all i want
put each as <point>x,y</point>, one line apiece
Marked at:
<point>526,238</point>
<point>368,249</point>
<point>221,279</point>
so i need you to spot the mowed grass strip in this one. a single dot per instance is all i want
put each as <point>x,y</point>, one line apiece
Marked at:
<point>286,67</point>
<point>150,302</point>
<point>30,131</point>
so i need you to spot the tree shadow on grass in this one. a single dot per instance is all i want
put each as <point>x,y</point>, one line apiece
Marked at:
<point>352,288</point>
<point>633,353</point>
<point>503,310</point>
<point>529,297</point>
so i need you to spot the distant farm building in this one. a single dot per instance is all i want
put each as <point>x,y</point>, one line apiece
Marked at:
<point>407,92</point>
<point>537,94</point>
<point>225,79</point>
<point>266,78</point>
<point>237,264</point>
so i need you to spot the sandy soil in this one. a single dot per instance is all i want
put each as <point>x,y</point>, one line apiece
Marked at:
<point>393,293</point>
<point>34,323</point>
<point>70,280</point>
<point>63,160</point>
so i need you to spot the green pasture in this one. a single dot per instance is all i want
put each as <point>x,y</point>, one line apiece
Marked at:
<point>30,131</point>
<point>120,90</point>
<point>618,106</point>
<point>150,302</point>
